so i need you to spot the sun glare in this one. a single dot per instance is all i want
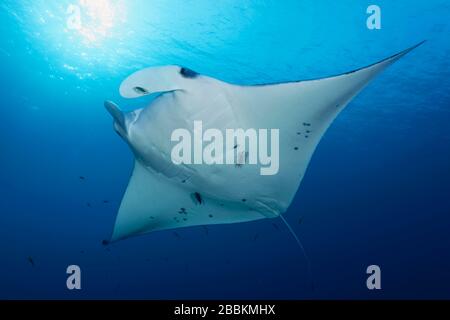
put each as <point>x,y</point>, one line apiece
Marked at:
<point>95,19</point>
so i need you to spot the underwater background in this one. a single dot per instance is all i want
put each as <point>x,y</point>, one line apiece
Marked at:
<point>377,190</point>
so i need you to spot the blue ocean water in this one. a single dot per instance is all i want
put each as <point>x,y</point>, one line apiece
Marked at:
<point>377,190</point>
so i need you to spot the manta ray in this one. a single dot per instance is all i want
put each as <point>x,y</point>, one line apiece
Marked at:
<point>164,195</point>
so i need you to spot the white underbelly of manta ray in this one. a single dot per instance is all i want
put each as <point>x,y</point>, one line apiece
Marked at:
<point>164,195</point>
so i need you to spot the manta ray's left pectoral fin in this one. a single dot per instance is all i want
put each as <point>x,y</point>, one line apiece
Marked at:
<point>154,202</point>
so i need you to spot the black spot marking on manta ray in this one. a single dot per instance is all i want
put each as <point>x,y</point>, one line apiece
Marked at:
<point>152,217</point>
<point>306,124</point>
<point>296,148</point>
<point>210,215</point>
<point>306,137</point>
<point>188,73</point>
<point>197,197</point>
<point>183,181</point>
<point>308,131</point>
<point>184,219</point>
<point>299,133</point>
<point>140,90</point>
<point>243,200</point>
<point>235,146</point>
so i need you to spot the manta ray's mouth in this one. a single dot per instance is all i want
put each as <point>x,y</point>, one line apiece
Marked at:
<point>140,90</point>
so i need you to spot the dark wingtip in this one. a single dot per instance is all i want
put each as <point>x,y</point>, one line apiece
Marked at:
<point>412,48</point>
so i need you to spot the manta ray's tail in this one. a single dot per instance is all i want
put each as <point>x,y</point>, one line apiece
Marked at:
<point>308,262</point>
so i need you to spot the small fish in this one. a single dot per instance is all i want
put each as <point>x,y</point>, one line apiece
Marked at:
<point>88,205</point>
<point>105,242</point>
<point>105,201</point>
<point>31,261</point>
<point>82,178</point>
